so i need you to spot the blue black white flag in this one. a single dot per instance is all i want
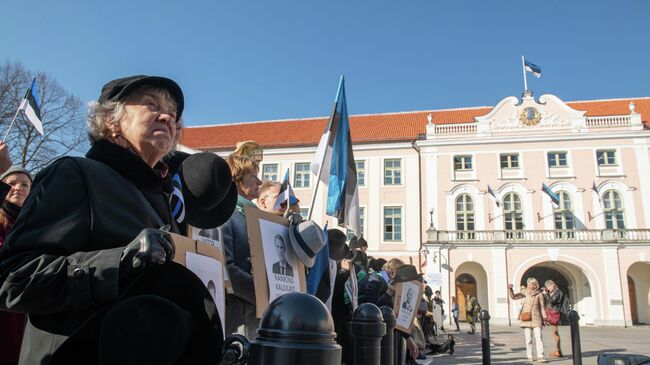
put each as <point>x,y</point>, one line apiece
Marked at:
<point>532,68</point>
<point>315,273</point>
<point>286,193</point>
<point>554,197</point>
<point>493,196</point>
<point>31,107</point>
<point>594,188</point>
<point>339,170</point>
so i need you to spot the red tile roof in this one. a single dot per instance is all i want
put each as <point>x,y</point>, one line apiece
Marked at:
<point>390,127</point>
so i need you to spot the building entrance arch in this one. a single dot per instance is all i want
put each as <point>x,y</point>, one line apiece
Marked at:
<point>471,279</point>
<point>638,283</point>
<point>575,281</point>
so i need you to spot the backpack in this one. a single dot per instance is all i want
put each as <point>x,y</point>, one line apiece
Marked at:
<point>566,305</point>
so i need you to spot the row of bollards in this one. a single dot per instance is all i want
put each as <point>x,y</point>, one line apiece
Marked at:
<point>297,328</point>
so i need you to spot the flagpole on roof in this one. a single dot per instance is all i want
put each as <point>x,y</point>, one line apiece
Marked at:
<point>320,167</point>
<point>523,66</point>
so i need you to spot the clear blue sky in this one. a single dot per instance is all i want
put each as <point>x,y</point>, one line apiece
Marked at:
<point>258,60</point>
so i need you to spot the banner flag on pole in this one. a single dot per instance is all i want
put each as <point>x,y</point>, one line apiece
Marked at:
<point>286,193</point>
<point>339,170</point>
<point>493,195</point>
<point>554,197</point>
<point>31,107</point>
<point>594,188</point>
<point>533,68</point>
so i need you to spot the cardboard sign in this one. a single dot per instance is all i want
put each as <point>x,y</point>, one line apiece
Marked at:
<point>276,268</point>
<point>206,262</point>
<point>211,236</point>
<point>407,300</point>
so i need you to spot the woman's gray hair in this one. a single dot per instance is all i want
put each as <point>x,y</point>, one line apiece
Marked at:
<point>99,115</point>
<point>549,282</point>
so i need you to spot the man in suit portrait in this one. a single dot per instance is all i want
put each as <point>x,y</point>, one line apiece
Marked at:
<point>409,299</point>
<point>281,267</point>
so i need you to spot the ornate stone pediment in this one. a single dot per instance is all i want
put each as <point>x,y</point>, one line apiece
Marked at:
<point>549,112</point>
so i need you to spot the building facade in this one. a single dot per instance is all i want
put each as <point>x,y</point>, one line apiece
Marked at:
<point>459,194</point>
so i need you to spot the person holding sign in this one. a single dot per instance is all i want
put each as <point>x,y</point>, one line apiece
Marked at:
<point>89,258</point>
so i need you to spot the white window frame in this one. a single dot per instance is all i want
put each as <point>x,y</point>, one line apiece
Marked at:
<point>463,158</point>
<point>277,169</point>
<point>383,171</point>
<point>365,171</point>
<point>383,225</point>
<point>295,176</point>
<point>548,160</point>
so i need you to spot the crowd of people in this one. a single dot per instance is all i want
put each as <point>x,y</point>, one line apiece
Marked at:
<point>86,253</point>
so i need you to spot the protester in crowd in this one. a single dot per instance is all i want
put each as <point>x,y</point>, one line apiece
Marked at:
<point>268,196</point>
<point>250,149</point>
<point>472,309</point>
<point>531,317</point>
<point>455,312</point>
<point>89,258</point>
<point>358,244</point>
<point>240,305</point>
<point>373,286</point>
<point>16,182</point>
<point>441,304</point>
<point>376,265</point>
<point>553,297</point>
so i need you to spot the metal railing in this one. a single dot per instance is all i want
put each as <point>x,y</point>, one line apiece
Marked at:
<point>541,236</point>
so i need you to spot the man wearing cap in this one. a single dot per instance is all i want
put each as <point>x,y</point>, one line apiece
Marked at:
<point>89,258</point>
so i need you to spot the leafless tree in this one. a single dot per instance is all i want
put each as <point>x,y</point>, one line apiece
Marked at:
<point>61,112</point>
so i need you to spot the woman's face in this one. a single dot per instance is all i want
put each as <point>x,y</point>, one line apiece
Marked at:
<point>148,126</point>
<point>249,186</point>
<point>531,286</point>
<point>20,187</point>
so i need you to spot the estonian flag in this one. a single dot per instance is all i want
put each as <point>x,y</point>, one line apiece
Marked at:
<point>594,188</point>
<point>339,171</point>
<point>532,68</point>
<point>286,193</point>
<point>554,197</point>
<point>316,274</point>
<point>494,196</point>
<point>31,107</point>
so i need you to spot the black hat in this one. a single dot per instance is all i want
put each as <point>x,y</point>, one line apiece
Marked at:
<point>406,273</point>
<point>360,259</point>
<point>376,264</point>
<point>209,194</point>
<point>339,250</point>
<point>119,88</point>
<point>358,242</point>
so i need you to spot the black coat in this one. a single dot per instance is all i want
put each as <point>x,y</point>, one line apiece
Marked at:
<point>60,263</point>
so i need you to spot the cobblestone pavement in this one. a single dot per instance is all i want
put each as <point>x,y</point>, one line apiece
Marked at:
<point>507,345</point>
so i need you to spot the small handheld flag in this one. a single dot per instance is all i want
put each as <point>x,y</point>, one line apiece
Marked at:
<point>554,197</point>
<point>285,194</point>
<point>31,108</point>
<point>493,196</point>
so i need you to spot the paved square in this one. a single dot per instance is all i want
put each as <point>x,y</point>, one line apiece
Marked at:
<point>508,344</point>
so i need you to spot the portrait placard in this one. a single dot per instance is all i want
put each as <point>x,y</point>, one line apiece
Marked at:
<point>211,236</point>
<point>407,300</point>
<point>276,268</point>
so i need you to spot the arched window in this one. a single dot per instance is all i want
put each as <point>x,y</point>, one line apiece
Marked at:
<point>465,216</point>
<point>564,221</point>
<point>613,210</point>
<point>513,214</point>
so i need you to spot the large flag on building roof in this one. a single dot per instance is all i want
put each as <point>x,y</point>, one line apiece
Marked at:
<point>286,193</point>
<point>339,171</point>
<point>554,197</point>
<point>532,68</point>
<point>31,107</point>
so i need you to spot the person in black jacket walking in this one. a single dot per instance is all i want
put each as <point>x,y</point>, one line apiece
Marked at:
<point>553,297</point>
<point>89,258</point>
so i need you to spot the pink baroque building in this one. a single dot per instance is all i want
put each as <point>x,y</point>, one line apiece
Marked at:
<point>459,193</point>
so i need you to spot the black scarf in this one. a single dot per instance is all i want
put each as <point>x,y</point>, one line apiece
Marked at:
<point>131,166</point>
<point>12,210</point>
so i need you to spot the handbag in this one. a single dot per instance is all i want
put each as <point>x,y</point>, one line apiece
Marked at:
<point>526,316</point>
<point>552,316</point>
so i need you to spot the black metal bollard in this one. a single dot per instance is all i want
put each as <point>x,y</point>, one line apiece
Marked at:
<point>484,316</point>
<point>399,348</point>
<point>236,349</point>
<point>387,342</point>
<point>296,328</point>
<point>575,337</point>
<point>367,328</point>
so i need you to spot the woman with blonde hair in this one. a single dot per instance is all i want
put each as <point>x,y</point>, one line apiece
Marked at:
<point>250,149</point>
<point>532,316</point>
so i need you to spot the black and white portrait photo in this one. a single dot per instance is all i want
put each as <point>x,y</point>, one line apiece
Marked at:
<point>280,260</point>
<point>281,267</point>
<point>408,303</point>
<point>410,293</point>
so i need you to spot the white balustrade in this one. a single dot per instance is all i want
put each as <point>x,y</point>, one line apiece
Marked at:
<point>541,236</point>
<point>609,121</point>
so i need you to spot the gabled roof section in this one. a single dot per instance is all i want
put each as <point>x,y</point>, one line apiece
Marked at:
<point>369,128</point>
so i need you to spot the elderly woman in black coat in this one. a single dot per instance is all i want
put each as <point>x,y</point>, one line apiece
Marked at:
<point>89,257</point>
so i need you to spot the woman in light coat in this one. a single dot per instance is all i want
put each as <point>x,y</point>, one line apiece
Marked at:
<point>532,317</point>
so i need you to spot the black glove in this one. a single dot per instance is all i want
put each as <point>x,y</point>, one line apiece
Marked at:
<point>150,247</point>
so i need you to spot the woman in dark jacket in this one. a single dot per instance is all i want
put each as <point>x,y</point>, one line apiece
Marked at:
<point>89,257</point>
<point>17,182</point>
